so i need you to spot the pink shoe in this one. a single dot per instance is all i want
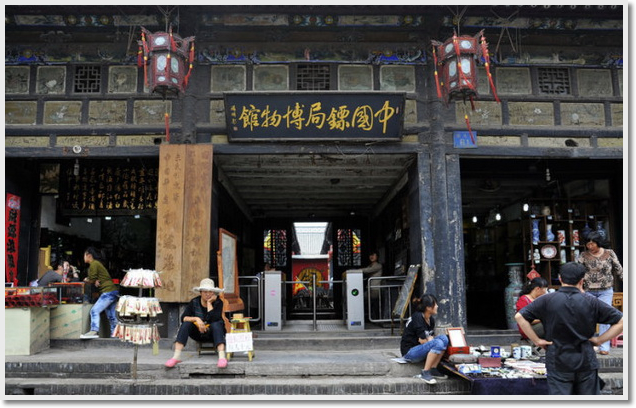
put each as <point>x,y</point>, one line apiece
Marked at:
<point>222,363</point>
<point>172,362</point>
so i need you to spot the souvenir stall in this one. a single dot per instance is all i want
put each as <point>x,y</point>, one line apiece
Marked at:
<point>509,370</point>
<point>137,315</point>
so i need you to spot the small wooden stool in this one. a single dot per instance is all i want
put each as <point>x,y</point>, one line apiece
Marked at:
<point>241,324</point>
<point>205,346</point>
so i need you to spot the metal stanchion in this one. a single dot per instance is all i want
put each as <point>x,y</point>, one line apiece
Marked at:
<point>313,290</point>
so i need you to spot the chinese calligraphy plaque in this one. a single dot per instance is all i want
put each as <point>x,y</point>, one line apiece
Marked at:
<point>314,116</point>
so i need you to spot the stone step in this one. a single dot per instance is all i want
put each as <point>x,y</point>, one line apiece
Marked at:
<point>241,386</point>
<point>118,363</point>
<point>351,386</point>
<point>353,372</point>
<point>306,339</point>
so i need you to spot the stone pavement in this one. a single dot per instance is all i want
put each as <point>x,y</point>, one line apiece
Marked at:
<point>107,369</point>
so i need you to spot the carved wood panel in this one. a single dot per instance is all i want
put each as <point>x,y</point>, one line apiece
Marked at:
<point>183,219</point>
<point>197,218</point>
<point>170,203</point>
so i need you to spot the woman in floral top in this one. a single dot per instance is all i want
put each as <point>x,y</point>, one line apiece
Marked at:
<point>601,264</point>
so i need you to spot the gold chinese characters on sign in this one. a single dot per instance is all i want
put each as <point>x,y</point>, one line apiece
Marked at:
<point>321,116</point>
<point>298,117</point>
<point>108,189</point>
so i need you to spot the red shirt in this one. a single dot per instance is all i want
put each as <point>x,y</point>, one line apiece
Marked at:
<point>524,300</point>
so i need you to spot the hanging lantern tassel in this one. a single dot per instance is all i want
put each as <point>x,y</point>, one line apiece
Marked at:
<point>470,131</point>
<point>472,102</point>
<point>167,118</point>
<point>439,90</point>
<point>140,57</point>
<point>187,77</point>
<point>484,51</point>
<point>146,52</point>
<point>173,45</point>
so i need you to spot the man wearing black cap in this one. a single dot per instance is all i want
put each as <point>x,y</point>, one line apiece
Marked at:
<point>570,317</point>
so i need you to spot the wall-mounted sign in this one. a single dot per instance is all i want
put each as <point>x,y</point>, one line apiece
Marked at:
<point>258,116</point>
<point>464,140</point>
<point>113,188</point>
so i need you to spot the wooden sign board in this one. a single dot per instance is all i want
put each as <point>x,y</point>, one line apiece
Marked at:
<point>239,342</point>
<point>310,116</point>
<point>402,302</point>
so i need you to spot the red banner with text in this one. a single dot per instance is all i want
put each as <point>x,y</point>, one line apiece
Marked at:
<point>12,238</point>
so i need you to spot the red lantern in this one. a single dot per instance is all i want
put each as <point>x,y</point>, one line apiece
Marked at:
<point>456,58</point>
<point>458,67</point>
<point>166,58</point>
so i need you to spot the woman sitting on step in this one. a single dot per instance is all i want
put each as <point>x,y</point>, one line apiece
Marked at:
<point>202,319</point>
<point>418,342</point>
<point>531,290</point>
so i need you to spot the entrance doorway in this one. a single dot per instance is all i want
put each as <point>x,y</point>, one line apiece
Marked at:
<point>313,256</point>
<point>499,199</point>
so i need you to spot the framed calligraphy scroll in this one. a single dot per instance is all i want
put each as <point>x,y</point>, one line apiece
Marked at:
<point>302,116</point>
<point>228,270</point>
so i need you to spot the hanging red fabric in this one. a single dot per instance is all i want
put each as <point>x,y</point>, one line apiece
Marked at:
<point>140,57</point>
<point>439,91</point>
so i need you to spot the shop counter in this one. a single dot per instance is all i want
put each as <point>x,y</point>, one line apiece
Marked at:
<point>26,330</point>
<point>69,321</point>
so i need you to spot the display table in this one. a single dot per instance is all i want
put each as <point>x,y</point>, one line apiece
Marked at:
<point>69,321</point>
<point>480,385</point>
<point>26,330</point>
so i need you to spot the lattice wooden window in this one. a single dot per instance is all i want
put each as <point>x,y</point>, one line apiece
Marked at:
<point>349,247</point>
<point>275,247</point>
<point>554,81</point>
<point>87,79</point>
<point>313,77</point>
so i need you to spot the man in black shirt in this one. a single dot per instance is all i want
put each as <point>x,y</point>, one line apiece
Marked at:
<point>570,317</point>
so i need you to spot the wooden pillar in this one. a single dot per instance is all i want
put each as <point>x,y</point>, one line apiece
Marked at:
<point>183,219</point>
<point>420,216</point>
<point>448,242</point>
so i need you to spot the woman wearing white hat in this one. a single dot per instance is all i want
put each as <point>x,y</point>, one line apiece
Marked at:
<point>202,319</point>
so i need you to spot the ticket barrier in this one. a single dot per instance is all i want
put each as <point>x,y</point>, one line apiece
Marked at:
<point>354,298</point>
<point>274,298</point>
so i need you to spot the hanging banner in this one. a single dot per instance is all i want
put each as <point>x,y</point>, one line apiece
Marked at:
<point>359,116</point>
<point>12,238</point>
